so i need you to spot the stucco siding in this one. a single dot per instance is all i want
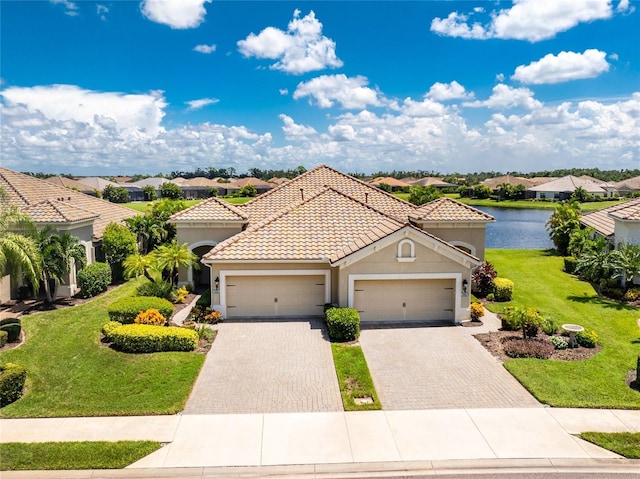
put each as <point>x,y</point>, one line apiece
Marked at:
<point>202,234</point>
<point>626,232</point>
<point>463,236</point>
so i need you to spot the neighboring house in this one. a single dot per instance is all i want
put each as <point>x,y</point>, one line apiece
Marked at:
<point>628,187</point>
<point>395,184</point>
<point>134,192</point>
<point>432,181</point>
<point>200,187</point>
<point>236,185</point>
<point>71,184</point>
<point>618,223</point>
<point>277,181</point>
<point>156,183</point>
<point>80,215</point>
<point>564,187</point>
<point>497,182</point>
<point>326,237</point>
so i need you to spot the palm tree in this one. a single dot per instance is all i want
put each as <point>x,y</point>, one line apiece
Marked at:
<point>137,264</point>
<point>626,262</point>
<point>171,256</point>
<point>19,254</point>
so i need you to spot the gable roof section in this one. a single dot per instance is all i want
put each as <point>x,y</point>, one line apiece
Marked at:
<point>55,211</point>
<point>568,183</point>
<point>326,225</point>
<point>315,180</point>
<point>24,190</point>
<point>388,180</point>
<point>97,183</point>
<point>631,184</point>
<point>495,183</point>
<point>242,182</point>
<point>603,220</point>
<point>210,210</point>
<point>447,210</point>
<point>432,181</point>
<point>69,183</point>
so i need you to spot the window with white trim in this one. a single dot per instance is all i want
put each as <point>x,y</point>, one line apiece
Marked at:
<point>406,251</point>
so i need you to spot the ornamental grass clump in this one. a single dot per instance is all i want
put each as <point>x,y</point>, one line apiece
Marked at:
<point>151,316</point>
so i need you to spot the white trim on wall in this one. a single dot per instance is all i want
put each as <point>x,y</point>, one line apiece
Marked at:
<point>470,247</point>
<point>459,313</point>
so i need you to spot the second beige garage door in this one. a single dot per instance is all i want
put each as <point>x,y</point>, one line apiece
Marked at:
<point>275,296</point>
<point>405,300</point>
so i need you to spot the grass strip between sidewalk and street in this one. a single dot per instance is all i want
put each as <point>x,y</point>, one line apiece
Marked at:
<point>39,456</point>
<point>626,444</point>
<point>354,378</point>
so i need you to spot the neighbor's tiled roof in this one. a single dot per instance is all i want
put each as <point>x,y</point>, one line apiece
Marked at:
<point>211,209</point>
<point>603,220</point>
<point>24,190</point>
<point>388,180</point>
<point>198,181</point>
<point>568,183</point>
<point>327,225</point>
<point>448,210</point>
<point>96,183</point>
<point>242,182</point>
<point>68,183</point>
<point>315,180</point>
<point>56,211</point>
<point>494,183</point>
<point>629,184</point>
<point>432,181</point>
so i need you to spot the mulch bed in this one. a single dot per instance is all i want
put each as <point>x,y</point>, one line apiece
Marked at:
<point>493,342</point>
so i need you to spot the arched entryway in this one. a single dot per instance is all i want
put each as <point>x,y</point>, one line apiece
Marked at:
<point>202,277</point>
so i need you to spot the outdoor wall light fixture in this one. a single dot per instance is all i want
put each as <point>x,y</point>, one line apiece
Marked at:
<point>465,283</point>
<point>217,283</point>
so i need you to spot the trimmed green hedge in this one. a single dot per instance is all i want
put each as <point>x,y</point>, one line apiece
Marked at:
<point>143,338</point>
<point>4,337</point>
<point>94,279</point>
<point>126,310</point>
<point>503,289</point>
<point>109,328</point>
<point>570,264</point>
<point>12,327</point>
<point>12,378</point>
<point>343,324</point>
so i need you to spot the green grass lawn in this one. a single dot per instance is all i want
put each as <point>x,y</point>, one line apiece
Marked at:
<point>142,206</point>
<point>598,382</point>
<point>71,373</point>
<point>237,201</point>
<point>626,444</point>
<point>18,456</point>
<point>354,378</point>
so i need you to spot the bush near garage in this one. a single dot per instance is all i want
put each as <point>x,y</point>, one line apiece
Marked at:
<point>125,310</point>
<point>477,311</point>
<point>143,338</point>
<point>343,324</point>
<point>13,329</point>
<point>503,289</point>
<point>94,279</point>
<point>12,379</point>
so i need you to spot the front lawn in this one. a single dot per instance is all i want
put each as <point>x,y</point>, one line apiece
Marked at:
<point>598,382</point>
<point>71,373</point>
<point>626,444</point>
<point>354,378</point>
<point>40,456</point>
<point>142,206</point>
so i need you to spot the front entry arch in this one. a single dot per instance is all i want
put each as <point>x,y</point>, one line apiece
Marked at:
<point>201,277</point>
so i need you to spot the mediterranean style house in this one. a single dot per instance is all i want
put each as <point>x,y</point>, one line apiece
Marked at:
<point>326,237</point>
<point>618,223</point>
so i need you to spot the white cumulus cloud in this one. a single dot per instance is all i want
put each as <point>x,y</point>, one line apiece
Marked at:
<point>504,97</point>
<point>203,48</point>
<point>178,14</point>
<point>294,131</point>
<point>141,113</point>
<point>350,92</point>
<point>531,20</point>
<point>70,8</point>
<point>302,48</point>
<point>566,66</point>
<point>448,91</point>
<point>201,103</point>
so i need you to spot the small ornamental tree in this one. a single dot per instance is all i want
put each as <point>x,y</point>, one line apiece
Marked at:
<point>419,195</point>
<point>482,279</point>
<point>248,191</point>
<point>150,193</point>
<point>115,194</point>
<point>118,242</point>
<point>562,223</point>
<point>171,191</point>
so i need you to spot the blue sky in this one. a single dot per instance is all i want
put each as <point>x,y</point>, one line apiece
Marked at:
<point>123,87</point>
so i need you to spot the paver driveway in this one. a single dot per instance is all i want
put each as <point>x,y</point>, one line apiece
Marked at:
<point>438,368</point>
<point>267,367</point>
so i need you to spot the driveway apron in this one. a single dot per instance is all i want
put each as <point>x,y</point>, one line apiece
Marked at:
<point>267,367</point>
<point>438,368</point>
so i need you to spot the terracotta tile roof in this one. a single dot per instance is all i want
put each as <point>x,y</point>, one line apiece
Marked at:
<point>568,183</point>
<point>198,181</point>
<point>315,180</point>
<point>432,181</point>
<point>327,225</point>
<point>445,210</point>
<point>494,183</point>
<point>69,183</point>
<point>629,184</point>
<point>603,220</point>
<point>242,182</point>
<point>24,190</point>
<point>211,209</point>
<point>389,181</point>
<point>55,211</point>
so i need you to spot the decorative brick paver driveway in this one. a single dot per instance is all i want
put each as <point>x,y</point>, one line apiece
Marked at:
<point>266,367</point>
<point>438,368</point>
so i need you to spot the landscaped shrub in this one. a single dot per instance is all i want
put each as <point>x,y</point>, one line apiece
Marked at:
<point>159,289</point>
<point>179,295</point>
<point>94,279</point>
<point>570,264</point>
<point>491,297</point>
<point>632,294</point>
<point>4,338</point>
<point>528,320</point>
<point>205,314</point>
<point>559,342</point>
<point>549,326</point>
<point>343,324</point>
<point>205,299</point>
<point>151,316</point>
<point>12,329</point>
<point>528,348</point>
<point>109,328</point>
<point>477,311</point>
<point>587,338</point>
<point>126,310</point>
<point>143,338</point>
<point>611,288</point>
<point>12,378</point>
<point>503,289</point>
<point>482,279</point>
<point>9,321</point>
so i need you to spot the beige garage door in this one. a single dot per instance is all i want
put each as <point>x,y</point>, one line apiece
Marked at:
<point>405,300</point>
<point>275,296</point>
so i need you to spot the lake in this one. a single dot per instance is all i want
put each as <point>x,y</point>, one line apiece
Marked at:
<point>517,228</point>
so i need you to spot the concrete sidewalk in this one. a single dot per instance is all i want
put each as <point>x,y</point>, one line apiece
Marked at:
<point>342,438</point>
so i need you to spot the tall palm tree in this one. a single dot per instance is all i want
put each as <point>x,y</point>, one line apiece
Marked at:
<point>137,264</point>
<point>19,254</point>
<point>171,256</point>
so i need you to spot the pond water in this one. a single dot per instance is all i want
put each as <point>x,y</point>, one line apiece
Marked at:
<point>517,228</point>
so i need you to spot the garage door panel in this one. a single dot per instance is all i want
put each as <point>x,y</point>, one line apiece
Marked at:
<point>405,300</point>
<point>275,296</point>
